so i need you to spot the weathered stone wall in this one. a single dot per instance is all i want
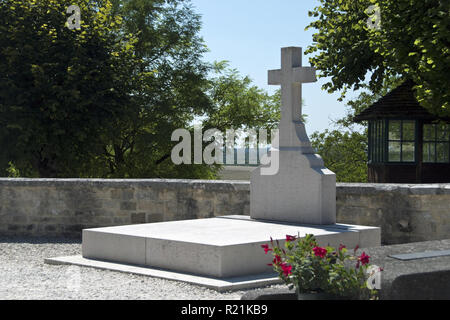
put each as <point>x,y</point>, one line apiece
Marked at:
<point>54,207</point>
<point>65,206</point>
<point>405,213</point>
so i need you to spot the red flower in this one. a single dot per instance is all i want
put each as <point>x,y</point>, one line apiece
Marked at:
<point>341,247</point>
<point>364,258</point>
<point>290,238</point>
<point>320,252</point>
<point>266,248</point>
<point>277,260</point>
<point>287,269</point>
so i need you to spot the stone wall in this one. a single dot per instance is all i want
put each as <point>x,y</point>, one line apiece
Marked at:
<point>65,206</point>
<point>55,207</point>
<point>405,213</point>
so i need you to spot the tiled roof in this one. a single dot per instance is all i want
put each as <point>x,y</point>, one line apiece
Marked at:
<point>400,102</point>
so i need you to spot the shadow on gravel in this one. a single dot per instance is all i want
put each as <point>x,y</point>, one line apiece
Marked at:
<point>38,240</point>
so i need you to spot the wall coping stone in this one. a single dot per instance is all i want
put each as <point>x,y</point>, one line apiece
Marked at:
<point>238,185</point>
<point>411,189</point>
<point>114,183</point>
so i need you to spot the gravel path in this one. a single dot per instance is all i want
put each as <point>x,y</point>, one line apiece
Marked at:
<point>24,275</point>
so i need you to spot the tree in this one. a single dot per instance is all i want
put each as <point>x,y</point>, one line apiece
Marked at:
<point>344,153</point>
<point>104,100</point>
<point>169,44</point>
<point>238,104</point>
<point>61,89</point>
<point>181,92</point>
<point>412,43</point>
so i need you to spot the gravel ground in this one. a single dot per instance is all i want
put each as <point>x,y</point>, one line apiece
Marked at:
<point>24,275</point>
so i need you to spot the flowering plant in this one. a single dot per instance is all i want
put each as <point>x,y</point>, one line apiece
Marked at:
<point>303,264</point>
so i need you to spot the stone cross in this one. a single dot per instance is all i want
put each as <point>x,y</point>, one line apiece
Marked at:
<point>300,189</point>
<point>291,76</point>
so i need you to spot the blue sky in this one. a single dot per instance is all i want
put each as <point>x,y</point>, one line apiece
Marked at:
<point>250,33</point>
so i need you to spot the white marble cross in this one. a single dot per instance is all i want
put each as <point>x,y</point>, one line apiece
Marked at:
<point>290,77</point>
<point>300,189</point>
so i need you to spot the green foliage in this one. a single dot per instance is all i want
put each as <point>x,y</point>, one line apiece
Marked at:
<point>12,171</point>
<point>344,153</point>
<point>104,100</point>
<point>412,43</point>
<point>169,45</point>
<point>238,104</point>
<point>61,89</point>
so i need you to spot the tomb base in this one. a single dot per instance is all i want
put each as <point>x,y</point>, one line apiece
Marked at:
<point>222,253</point>
<point>228,246</point>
